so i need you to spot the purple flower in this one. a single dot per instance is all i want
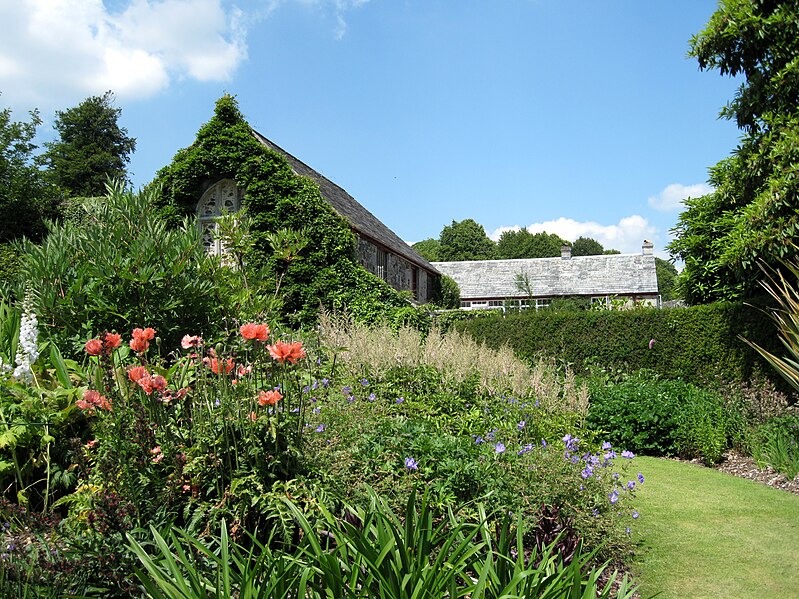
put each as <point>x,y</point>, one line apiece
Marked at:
<point>325,382</point>
<point>630,484</point>
<point>372,397</point>
<point>320,428</point>
<point>346,390</point>
<point>606,446</point>
<point>635,515</point>
<point>651,343</point>
<point>478,440</point>
<point>614,496</point>
<point>610,455</point>
<point>411,464</point>
<point>628,530</point>
<point>640,478</point>
<point>526,448</point>
<point>364,383</point>
<point>350,398</point>
<point>521,425</point>
<point>400,399</point>
<point>587,472</point>
<point>316,410</point>
<point>543,443</point>
<point>499,448</point>
<point>629,455</point>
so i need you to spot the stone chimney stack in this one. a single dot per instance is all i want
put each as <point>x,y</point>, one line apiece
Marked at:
<point>648,247</point>
<point>566,252</point>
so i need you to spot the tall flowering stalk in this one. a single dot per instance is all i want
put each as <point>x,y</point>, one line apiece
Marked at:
<point>28,345</point>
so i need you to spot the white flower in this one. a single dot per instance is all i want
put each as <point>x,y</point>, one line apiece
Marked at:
<point>28,345</point>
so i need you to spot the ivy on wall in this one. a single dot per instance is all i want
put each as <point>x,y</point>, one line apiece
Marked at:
<point>326,272</point>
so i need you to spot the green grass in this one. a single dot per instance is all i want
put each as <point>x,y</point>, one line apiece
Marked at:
<point>706,534</point>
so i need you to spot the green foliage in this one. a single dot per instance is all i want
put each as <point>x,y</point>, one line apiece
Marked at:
<point>371,551</point>
<point>776,444</point>
<point>92,148</point>
<point>667,278</point>
<point>324,271</point>
<point>464,240</point>
<point>26,199</point>
<point>781,286</point>
<point>122,268</point>
<point>428,249</point>
<point>751,216</point>
<point>700,344</point>
<point>659,417</point>
<point>586,246</point>
<point>450,296</point>
<point>523,244</point>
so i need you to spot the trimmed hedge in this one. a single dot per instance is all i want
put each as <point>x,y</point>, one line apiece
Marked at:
<point>699,344</point>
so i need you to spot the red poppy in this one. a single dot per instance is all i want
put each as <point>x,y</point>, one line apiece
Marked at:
<point>94,347</point>
<point>282,352</point>
<point>269,398</point>
<point>141,339</point>
<point>251,330</point>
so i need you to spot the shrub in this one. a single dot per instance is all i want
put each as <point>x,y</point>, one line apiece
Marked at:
<point>121,269</point>
<point>700,344</point>
<point>776,444</point>
<point>661,417</point>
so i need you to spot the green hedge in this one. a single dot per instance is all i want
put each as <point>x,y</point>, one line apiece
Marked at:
<point>699,344</point>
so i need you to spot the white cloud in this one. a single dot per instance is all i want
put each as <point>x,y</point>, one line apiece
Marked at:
<point>626,236</point>
<point>672,196</point>
<point>53,52</point>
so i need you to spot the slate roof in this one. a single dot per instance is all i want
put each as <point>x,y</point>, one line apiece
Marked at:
<point>611,274</point>
<point>361,220</point>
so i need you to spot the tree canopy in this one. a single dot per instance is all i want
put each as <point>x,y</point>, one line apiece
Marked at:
<point>523,244</point>
<point>464,240</point>
<point>25,198</point>
<point>428,249</point>
<point>752,217</point>
<point>92,148</point>
<point>586,246</point>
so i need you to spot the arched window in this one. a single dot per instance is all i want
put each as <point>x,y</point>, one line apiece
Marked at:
<point>223,197</point>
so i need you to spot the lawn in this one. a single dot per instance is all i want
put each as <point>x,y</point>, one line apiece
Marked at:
<point>703,533</point>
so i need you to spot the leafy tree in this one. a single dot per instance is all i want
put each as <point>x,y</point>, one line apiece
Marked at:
<point>753,214</point>
<point>25,198</point>
<point>465,240</point>
<point>586,246</point>
<point>428,249</point>
<point>450,293</point>
<point>523,244</point>
<point>92,147</point>
<point>667,278</point>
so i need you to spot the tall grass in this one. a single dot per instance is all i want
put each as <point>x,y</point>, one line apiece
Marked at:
<point>372,351</point>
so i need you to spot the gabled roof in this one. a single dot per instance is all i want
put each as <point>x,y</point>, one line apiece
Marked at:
<point>607,274</point>
<point>361,220</point>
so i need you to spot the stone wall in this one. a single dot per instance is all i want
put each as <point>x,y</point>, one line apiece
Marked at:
<point>393,269</point>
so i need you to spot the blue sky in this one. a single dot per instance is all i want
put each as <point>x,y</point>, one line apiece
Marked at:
<point>578,117</point>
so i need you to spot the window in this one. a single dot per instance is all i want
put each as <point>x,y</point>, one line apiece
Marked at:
<point>541,304</point>
<point>223,197</point>
<point>495,303</point>
<point>382,261</point>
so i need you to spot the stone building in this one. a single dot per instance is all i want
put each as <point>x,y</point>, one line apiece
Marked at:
<point>379,249</point>
<point>535,282</point>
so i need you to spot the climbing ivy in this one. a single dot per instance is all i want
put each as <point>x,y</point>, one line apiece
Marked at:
<point>325,272</point>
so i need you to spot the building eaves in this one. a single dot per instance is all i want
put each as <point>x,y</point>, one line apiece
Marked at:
<point>361,220</point>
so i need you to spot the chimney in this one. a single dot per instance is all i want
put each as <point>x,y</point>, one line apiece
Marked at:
<point>566,252</point>
<point>648,247</point>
